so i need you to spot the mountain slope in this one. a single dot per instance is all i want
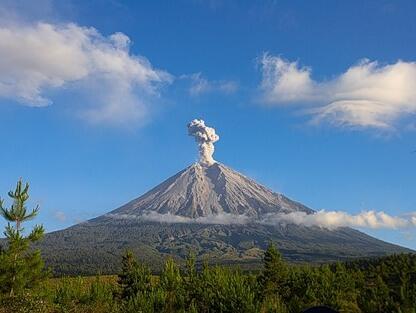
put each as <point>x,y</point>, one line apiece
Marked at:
<point>211,210</point>
<point>200,191</point>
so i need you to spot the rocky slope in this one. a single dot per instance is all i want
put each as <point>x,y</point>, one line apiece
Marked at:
<point>200,191</point>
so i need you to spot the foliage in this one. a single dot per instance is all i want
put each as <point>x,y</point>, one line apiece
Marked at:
<point>281,288</point>
<point>274,276</point>
<point>20,267</point>
<point>135,277</point>
<point>386,284</point>
<point>80,295</point>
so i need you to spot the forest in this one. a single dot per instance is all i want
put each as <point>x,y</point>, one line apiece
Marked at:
<point>386,284</point>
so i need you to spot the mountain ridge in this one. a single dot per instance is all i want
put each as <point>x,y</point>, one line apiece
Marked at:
<point>192,199</point>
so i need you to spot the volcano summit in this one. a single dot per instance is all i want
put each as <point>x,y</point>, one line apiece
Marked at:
<point>208,192</point>
<point>210,209</point>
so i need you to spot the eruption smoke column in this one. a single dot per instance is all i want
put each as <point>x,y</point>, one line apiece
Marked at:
<point>205,137</point>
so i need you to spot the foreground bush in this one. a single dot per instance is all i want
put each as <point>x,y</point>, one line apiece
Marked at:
<point>279,288</point>
<point>382,285</point>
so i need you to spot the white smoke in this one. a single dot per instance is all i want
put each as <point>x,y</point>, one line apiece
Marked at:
<point>323,219</point>
<point>205,137</point>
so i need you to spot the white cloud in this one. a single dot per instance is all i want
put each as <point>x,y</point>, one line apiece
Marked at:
<point>323,219</point>
<point>285,82</point>
<point>201,85</point>
<point>221,219</point>
<point>60,216</point>
<point>335,219</point>
<point>366,95</point>
<point>38,58</point>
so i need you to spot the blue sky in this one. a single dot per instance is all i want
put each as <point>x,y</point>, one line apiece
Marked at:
<point>313,99</point>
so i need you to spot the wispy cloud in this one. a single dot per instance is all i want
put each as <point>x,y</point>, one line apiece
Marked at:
<point>323,219</point>
<point>367,94</point>
<point>200,85</point>
<point>41,57</point>
<point>60,216</point>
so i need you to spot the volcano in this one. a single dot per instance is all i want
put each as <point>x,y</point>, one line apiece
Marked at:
<point>201,191</point>
<point>211,210</point>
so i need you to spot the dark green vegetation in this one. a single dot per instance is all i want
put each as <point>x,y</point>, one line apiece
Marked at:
<point>379,285</point>
<point>376,285</point>
<point>19,268</point>
<point>97,245</point>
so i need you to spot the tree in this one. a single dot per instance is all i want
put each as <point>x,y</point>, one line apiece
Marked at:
<point>171,282</point>
<point>20,267</point>
<point>134,278</point>
<point>274,276</point>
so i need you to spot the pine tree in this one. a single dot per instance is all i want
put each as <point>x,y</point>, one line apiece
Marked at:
<point>274,276</point>
<point>134,278</point>
<point>171,282</point>
<point>20,268</point>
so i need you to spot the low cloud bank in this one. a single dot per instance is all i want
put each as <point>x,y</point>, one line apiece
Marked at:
<point>323,219</point>
<point>219,219</point>
<point>336,219</point>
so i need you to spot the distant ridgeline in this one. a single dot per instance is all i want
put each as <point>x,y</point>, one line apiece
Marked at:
<point>212,210</point>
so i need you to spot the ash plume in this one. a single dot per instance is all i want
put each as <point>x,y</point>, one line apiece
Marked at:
<point>205,137</point>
